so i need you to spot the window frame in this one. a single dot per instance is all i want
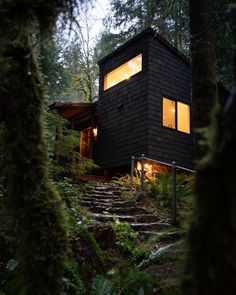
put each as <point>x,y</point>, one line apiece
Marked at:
<point>176,115</point>
<point>118,66</point>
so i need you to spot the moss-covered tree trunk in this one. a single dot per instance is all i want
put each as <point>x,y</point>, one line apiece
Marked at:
<point>203,75</point>
<point>211,263</point>
<point>35,205</point>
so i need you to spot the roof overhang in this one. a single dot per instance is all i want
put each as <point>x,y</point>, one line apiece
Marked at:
<point>69,110</point>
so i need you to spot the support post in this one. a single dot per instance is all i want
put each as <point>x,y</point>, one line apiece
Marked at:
<point>174,200</point>
<point>142,172</point>
<point>132,173</point>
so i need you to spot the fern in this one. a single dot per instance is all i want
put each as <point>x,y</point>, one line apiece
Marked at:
<point>102,286</point>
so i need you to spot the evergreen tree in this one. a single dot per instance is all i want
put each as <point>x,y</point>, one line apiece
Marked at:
<point>169,18</point>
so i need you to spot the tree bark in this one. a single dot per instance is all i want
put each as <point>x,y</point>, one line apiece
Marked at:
<point>35,206</point>
<point>203,74</point>
<point>211,263</point>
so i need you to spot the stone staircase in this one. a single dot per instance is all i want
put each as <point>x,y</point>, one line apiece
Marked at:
<point>107,202</point>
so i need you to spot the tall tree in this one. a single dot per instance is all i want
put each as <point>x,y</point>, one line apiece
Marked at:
<point>203,64</point>
<point>225,45</point>
<point>169,18</point>
<point>211,262</point>
<point>85,71</point>
<point>56,77</point>
<point>34,203</point>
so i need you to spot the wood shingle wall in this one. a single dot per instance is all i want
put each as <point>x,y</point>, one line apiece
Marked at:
<point>130,113</point>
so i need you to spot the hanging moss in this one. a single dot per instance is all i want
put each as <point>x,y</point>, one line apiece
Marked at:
<point>36,207</point>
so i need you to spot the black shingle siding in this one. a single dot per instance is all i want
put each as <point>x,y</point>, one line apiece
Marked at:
<point>130,113</point>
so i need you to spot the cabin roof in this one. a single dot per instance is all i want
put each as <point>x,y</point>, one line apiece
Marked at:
<point>155,35</point>
<point>69,110</point>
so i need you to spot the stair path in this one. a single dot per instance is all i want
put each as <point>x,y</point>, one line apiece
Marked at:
<point>104,203</point>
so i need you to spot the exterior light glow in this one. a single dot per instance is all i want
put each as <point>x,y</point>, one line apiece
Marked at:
<point>95,133</point>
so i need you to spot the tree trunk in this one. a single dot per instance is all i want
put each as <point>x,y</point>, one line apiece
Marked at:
<point>34,204</point>
<point>203,75</point>
<point>211,263</point>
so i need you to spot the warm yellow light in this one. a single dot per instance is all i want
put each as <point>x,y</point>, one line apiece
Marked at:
<point>168,109</point>
<point>123,72</point>
<point>147,167</point>
<point>139,166</point>
<point>183,117</point>
<point>95,132</point>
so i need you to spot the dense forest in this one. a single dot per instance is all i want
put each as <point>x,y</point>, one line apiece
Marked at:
<point>49,243</point>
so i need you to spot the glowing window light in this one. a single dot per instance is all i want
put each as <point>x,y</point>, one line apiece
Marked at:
<point>179,121</point>
<point>168,113</point>
<point>123,72</point>
<point>183,117</point>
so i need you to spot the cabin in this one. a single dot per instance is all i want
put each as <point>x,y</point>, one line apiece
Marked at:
<point>144,107</point>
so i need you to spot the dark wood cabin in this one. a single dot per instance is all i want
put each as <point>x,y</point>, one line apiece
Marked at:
<point>142,113</point>
<point>144,106</point>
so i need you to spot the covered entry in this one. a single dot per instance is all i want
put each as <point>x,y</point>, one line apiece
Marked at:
<point>83,118</point>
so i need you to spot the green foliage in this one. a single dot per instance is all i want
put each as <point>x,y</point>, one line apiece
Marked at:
<point>126,240</point>
<point>57,78</point>
<point>33,202</point>
<point>73,283</point>
<point>170,18</point>
<point>161,187</point>
<point>163,253</point>
<point>134,283</point>
<point>123,181</point>
<point>66,145</point>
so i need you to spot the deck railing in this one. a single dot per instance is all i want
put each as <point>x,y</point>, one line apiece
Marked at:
<point>174,167</point>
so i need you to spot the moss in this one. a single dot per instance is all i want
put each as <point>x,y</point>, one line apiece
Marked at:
<point>210,267</point>
<point>33,202</point>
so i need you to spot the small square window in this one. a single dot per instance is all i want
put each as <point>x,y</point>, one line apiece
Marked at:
<point>176,115</point>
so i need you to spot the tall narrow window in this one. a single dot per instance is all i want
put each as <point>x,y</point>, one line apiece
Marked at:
<point>183,117</point>
<point>123,72</point>
<point>168,113</point>
<point>176,115</point>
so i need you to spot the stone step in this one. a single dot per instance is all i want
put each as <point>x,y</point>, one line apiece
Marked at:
<point>117,210</point>
<point>101,193</point>
<point>91,203</point>
<point>149,226</point>
<point>108,218</point>
<point>162,236</point>
<point>102,198</point>
<point>123,204</point>
<point>146,218</point>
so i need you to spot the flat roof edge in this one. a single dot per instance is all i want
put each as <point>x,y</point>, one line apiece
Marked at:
<point>155,35</point>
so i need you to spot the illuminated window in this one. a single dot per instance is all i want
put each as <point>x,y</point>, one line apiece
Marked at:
<point>183,117</point>
<point>123,72</point>
<point>176,115</point>
<point>169,113</point>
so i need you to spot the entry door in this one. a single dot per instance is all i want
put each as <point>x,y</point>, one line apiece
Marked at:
<point>86,143</point>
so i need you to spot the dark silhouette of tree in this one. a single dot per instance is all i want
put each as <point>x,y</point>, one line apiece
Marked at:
<point>204,86</point>
<point>34,204</point>
<point>211,262</point>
